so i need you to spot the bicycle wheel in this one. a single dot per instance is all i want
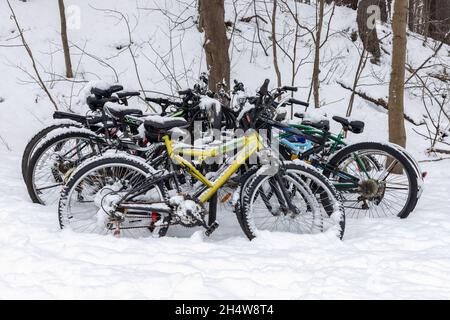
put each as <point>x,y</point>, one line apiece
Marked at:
<point>92,190</point>
<point>418,170</point>
<point>373,192</point>
<point>36,139</point>
<point>55,159</point>
<point>264,203</point>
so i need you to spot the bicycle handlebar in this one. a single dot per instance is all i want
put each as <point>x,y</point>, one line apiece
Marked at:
<point>128,94</point>
<point>185,92</point>
<point>157,100</point>
<point>289,88</point>
<point>299,102</point>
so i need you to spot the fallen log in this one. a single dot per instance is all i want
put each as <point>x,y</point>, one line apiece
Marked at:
<point>440,151</point>
<point>379,102</point>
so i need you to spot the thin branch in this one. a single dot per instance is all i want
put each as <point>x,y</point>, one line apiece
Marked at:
<point>130,50</point>
<point>379,102</point>
<point>102,62</point>
<point>30,54</point>
<point>429,58</point>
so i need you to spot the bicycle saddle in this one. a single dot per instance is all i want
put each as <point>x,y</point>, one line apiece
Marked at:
<point>163,123</point>
<point>120,112</point>
<point>318,124</point>
<point>354,126</point>
<point>106,93</point>
<point>321,125</point>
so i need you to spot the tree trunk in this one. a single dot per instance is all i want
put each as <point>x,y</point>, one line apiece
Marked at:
<point>396,86</point>
<point>216,45</point>
<point>431,18</point>
<point>274,43</point>
<point>439,15</point>
<point>367,26</point>
<point>412,15</point>
<point>345,3</point>
<point>316,70</point>
<point>65,42</point>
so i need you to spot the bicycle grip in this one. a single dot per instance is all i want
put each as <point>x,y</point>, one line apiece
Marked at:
<point>289,88</point>
<point>184,92</point>
<point>157,100</point>
<point>295,101</point>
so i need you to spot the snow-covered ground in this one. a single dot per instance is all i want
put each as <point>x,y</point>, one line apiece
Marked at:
<point>383,258</point>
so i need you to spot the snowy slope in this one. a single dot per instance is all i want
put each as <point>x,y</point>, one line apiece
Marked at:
<point>103,35</point>
<point>386,258</point>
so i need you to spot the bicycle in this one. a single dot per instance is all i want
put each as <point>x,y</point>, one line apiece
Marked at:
<point>121,194</point>
<point>376,179</point>
<point>55,151</point>
<point>91,121</point>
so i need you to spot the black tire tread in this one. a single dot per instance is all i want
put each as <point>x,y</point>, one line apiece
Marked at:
<point>342,154</point>
<point>42,148</point>
<point>100,161</point>
<point>242,207</point>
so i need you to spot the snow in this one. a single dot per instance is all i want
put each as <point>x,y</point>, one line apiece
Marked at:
<point>116,107</point>
<point>207,103</point>
<point>159,119</point>
<point>386,258</point>
<point>383,258</point>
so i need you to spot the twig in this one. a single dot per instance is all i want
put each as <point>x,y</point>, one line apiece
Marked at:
<point>100,61</point>
<point>379,102</point>
<point>30,54</point>
<point>6,144</point>
<point>433,160</point>
<point>76,74</point>
<point>130,50</point>
<point>440,151</point>
<point>429,58</point>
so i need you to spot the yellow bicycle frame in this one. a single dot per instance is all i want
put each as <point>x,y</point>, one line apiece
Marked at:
<point>248,145</point>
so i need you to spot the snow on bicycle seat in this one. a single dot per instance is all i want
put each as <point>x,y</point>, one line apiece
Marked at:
<point>166,123</point>
<point>317,122</point>
<point>120,112</point>
<point>354,126</point>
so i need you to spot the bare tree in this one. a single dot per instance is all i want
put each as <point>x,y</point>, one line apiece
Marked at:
<point>39,80</point>
<point>439,15</point>
<point>430,18</point>
<point>366,19</point>
<point>129,47</point>
<point>315,34</point>
<point>216,44</point>
<point>397,132</point>
<point>359,70</point>
<point>345,3</point>
<point>65,42</point>
<point>316,68</point>
<point>274,42</point>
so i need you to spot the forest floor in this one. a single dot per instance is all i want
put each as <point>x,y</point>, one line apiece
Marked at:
<point>378,258</point>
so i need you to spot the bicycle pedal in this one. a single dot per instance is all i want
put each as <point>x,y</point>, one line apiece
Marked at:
<point>211,229</point>
<point>163,230</point>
